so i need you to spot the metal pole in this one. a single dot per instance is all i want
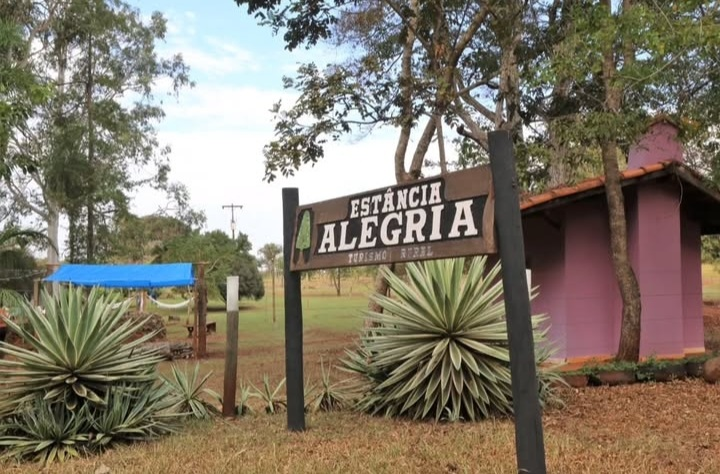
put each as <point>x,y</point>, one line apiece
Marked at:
<point>529,445</point>
<point>293,320</point>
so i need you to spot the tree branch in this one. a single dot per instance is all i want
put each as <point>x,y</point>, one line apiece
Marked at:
<point>474,103</point>
<point>20,196</point>
<point>422,148</point>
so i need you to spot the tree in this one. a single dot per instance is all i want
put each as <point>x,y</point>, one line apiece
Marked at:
<point>18,267</point>
<point>581,76</point>
<point>224,258</point>
<point>412,62</point>
<point>98,58</point>
<point>20,91</point>
<point>336,275</point>
<point>633,55</point>
<point>269,256</point>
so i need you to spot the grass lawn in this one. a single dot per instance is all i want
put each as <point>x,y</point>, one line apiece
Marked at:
<point>711,282</point>
<point>645,428</point>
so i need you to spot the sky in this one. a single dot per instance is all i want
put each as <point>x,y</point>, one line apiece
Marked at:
<point>217,130</point>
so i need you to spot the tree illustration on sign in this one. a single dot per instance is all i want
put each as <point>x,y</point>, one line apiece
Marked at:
<point>302,240</point>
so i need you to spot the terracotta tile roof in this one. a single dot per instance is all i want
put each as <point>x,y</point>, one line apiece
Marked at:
<point>527,202</point>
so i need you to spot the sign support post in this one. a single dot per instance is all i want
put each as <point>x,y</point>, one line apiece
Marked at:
<point>453,215</point>
<point>293,318</point>
<point>529,445</point>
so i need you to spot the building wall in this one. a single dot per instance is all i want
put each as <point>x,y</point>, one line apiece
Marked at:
<point>590,284</point>
<point>693,329</point>
<point>569,255</point>
<point>659,269</point>
<point>660,143</point>
<point>544,247</point>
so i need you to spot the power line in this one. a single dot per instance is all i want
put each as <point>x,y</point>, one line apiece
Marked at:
<point>232,208</point>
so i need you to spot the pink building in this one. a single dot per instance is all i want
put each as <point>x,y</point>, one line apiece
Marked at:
<point>567,241</point>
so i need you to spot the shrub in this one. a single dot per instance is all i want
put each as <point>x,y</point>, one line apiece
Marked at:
<point>78,349</point>
<point>188,390</point>
<point>328,396</point>
<point>269,396</point>
<point>440,348</point>
<point>82,384</point>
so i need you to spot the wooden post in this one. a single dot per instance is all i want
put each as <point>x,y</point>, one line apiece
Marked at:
<point>50,268</point>
<point>231,347</point>
<point>272,271</point>
<point>36,293</point>
<point>529,445</point>
<point>200,311</point>
<point>293,319</point>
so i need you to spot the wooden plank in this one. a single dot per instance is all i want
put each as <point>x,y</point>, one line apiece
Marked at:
<point>201,308</point>
<point>293,319</point>
<point>529,445</point>
<point>231,347</point>
<point>445,216</point>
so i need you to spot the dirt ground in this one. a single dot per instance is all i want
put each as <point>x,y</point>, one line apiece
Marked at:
<point>711,318</point>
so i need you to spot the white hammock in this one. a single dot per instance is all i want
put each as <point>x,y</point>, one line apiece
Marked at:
<point>181,305</point>
<point>117,305</point>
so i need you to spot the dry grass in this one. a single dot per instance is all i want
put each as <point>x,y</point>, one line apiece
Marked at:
<point>669,428</point>
<point>648,428</point>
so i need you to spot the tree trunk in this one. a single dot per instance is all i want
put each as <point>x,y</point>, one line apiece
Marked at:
<point>406,94</point>
<point>90,243</point>
<point>53,233</point>
<point>508,26</point>
<point>272,271</point>
<point>629,347</point>
<point>381,288</point>
<point>53,210</point>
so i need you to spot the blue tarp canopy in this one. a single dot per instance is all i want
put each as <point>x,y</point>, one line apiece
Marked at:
<point>125,276</point>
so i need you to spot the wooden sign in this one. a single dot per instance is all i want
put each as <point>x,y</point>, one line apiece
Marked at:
<point>445,216</point>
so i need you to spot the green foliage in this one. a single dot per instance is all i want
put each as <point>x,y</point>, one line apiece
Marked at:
<point>188,389</point>
<point>710,248</point>
<point>305,22</point>
<point>269,396</point>
<point>45,432</point>
<point>91,136</point>
<point>328,396</point>
<point>140,239</point>
<point>20,93</point>
<point>225,256</point>
<point>83,386</point>
<point>78,350</point>
<point>242,408</point>
<point>439,350</point>
<point>135,412</point>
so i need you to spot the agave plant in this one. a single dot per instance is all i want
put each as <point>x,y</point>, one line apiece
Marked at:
<point>135,412</point>
<point>440,348</point>
<point>77,349</point>
<point>269,396</point>
<point>309,395</point>
<point>242,407</point>
<point>188,390</point>
<point>330,395</point>
<point>44,432</point>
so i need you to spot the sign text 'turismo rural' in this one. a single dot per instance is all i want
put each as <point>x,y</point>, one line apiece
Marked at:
<point>445,216</point>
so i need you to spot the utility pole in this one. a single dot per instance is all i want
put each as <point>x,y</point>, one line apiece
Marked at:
<point>232,208</point>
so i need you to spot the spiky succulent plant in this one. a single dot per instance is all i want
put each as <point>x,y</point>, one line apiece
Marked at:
<point>440,347</point>
<point>77,349</point>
